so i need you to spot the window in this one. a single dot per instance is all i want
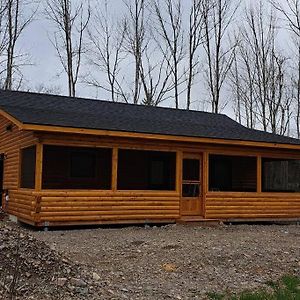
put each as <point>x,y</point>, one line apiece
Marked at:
<point>83,164</point>
<point>76,168</point>
<point>280,175</point>
<point>191,169</point>
<point>232,173</point>
<point>157,172</point>
<point>28,167</point>
<point>146,170</point>
<point>190,177</point>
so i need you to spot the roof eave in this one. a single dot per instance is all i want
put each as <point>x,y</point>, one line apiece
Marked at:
<point>11,119</point>
<point>153,136</point>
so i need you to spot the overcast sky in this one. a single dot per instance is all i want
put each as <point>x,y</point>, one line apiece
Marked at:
<point>46,68</point>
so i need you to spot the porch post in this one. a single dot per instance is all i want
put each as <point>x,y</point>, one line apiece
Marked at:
<point>205,173</point>
<point>114,174</point>
<point>178,171</point>
<point>38,166</point>
<point>259,176</point>
<point>205,176</point>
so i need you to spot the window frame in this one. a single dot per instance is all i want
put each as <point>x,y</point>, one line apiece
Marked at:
<point>173,191</point>
<point>270,155</point>
<point>114,189</point>
<point>279,158</point>
<point>86,146</point>
<point>234,154</point>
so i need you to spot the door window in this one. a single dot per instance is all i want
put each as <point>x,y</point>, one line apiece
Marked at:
<point>191,178</point>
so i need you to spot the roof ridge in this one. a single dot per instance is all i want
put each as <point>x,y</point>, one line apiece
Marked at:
<point>69,98</point>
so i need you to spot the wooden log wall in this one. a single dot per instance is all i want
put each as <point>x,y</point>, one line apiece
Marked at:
<point>95,207</point>
<point>92,207</point>
<point>62,207</point>
<point>252,205</point>
<point>21,202</point>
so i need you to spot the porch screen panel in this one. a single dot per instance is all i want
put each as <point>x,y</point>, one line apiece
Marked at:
<point>146,170</point>
<point>232,173</point>
<point>27,178</point>
<point>77,168</point>
<point>280,175</point>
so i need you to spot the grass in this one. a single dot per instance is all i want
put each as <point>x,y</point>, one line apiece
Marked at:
<point>288,288</point>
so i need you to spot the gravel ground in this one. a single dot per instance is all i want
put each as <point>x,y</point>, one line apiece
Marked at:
<point>30,269</point>
<point>178,261</point>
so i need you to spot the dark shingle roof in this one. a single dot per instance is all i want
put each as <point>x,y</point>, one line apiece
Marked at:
<point>32,108</point>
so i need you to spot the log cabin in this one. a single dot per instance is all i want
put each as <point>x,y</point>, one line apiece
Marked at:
<point>72,161</point>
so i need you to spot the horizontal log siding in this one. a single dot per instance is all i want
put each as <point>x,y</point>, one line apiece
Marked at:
<point>23,204</point>
<point>20,201</point>
<point>92,207</point>
<point>252,206</point>
<point>80,207</point>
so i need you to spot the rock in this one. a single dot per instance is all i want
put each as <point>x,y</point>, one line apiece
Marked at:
<point>82,291</point>
<point>169,267</point>
<point>78,282</point>
<point>53,247</point>
<point>96,277</point>
<point>61,281</point>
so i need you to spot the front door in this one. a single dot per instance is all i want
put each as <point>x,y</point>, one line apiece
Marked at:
<point>191,191</point>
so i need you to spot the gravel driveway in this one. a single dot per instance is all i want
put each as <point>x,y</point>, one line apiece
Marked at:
<point>180,261</point>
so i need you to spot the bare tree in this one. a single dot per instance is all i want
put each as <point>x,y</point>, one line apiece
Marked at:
<point>195,40</point>
<point>259,73</point>
<point>295,82</point>
<point>260,34</point>
<point>16,23</point>
<point>135,38</point>
<point>155,70</point>
<point>3,40</point>
<point>106,53</point>
<point>219,56</point>
<point>155,77</point>
<point>114,44</point>
<point>71,22</point>
<point>278,101</point>
<point>290,9</point>
<point>171,42</point>
<point>242,77</point>
<point>152,79</point>
<point>46,89</point>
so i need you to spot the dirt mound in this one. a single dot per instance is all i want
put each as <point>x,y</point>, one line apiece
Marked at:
<point>30,269</point>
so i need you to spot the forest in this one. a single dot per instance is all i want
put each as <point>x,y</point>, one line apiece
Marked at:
<point>221,56</point>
